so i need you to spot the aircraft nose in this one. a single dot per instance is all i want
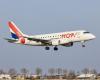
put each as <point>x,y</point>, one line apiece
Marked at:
<point>93,36</point>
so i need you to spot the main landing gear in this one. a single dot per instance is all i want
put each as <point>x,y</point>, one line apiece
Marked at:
<point>48,48</point>
<point>55,48</point>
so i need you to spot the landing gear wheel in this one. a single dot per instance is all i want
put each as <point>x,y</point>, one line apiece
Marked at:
<point>47,48</point>
<point>83,45</point>
<point>55,48</point>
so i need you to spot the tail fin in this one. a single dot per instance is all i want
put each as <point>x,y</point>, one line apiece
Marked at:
<point>15,32</point>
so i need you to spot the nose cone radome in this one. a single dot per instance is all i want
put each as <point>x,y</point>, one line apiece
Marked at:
<point>93,36</point>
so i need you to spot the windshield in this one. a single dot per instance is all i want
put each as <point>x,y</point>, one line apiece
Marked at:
<point>86,32</point>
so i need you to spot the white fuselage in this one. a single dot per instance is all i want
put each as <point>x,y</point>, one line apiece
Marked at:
<point>54,39</point>
<point>60,38</point>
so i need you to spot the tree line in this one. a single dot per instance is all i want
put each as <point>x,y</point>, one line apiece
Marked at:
<point>52,72</point>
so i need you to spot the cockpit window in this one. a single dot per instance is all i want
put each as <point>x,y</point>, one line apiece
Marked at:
<point>86,32</point>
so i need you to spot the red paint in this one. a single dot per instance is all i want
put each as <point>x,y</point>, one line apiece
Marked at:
<point>22,40</point>
<point>20,36</point>
<point>69,35</point>
<point>12,26</point>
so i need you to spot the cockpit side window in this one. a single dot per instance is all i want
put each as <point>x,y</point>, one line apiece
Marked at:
<point>86,32</point>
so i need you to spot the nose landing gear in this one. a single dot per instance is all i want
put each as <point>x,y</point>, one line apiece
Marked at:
<point>83,45</point>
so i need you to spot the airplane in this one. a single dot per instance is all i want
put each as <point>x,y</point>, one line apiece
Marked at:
<point>54,39</point>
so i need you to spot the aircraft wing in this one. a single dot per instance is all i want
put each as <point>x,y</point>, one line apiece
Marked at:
<point>31,39</point>
<point>11,40</point>
<point>44,41</point>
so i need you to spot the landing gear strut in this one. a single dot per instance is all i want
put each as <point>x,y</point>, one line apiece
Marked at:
<point>83,45</point>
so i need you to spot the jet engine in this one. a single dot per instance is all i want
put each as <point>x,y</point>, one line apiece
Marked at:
<point>68,44</point>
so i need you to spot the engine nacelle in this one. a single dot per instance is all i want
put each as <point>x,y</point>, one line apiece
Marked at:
<point>68,44</point>
<point>58,42</point>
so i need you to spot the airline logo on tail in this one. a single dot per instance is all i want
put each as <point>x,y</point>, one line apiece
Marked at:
<point>15,32</point>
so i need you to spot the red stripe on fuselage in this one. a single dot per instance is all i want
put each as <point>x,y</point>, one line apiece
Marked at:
<point>12,26</point>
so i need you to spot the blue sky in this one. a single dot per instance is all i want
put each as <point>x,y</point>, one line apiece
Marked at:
<point>47,16</point>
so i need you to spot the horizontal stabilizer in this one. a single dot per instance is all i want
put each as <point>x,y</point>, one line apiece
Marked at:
<point>11,40</point>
